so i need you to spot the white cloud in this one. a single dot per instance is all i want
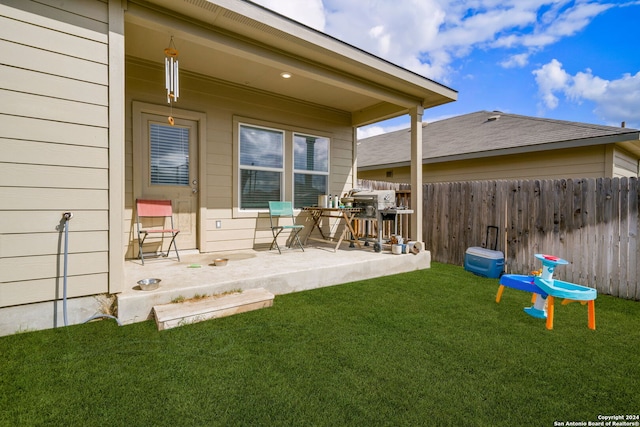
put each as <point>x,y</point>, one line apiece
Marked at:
<point>551,78</point>
<point>615,100</point>
<point>377,129</point>
<point>405,32</point>
<point>560,21</point>
<point>519,60</point>
<point>426,36</point>
<point>584,85</point>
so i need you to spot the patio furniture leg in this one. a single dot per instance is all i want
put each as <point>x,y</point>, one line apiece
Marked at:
<point>275,241</point>
<point>140,243</point>
<point>296,238</point>
<point>173,242</point>
<point>316,215</point>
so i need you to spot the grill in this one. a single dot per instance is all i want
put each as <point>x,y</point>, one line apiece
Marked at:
<point>374,201</point>
<point>379,205</point>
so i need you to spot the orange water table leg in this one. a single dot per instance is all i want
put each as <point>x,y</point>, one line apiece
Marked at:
<point>569,301</point>
<point>550,312</point>
<point>499,294</point>
<point>592,314</point>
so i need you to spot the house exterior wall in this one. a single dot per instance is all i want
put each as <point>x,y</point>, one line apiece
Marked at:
<point>224,106</point>
<point>54,148</point>
<point>625,164</point>
<point>587,162</point>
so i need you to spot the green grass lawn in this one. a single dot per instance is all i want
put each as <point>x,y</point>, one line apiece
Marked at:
<point>425,348</point>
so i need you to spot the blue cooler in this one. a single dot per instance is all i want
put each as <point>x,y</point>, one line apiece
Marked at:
<point>484,262</point>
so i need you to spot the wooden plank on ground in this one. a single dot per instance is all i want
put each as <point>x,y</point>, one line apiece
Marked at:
<point>179,314</point>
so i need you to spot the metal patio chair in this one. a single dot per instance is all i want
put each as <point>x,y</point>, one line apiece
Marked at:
<point>162,211</point>
<point>279,211</point>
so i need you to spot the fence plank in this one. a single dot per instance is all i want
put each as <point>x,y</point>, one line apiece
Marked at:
<point>547,215</point>
<point>615,233</point>
<point>589,240</point>
<point>634,232</point>
<point>573,230</point>
<point>623,289</point>
<point>607,236</point>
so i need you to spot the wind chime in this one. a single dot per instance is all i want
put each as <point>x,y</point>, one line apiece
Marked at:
<point>171,77</point>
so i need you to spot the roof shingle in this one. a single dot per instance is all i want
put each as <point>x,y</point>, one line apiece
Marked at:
<point>483,133</point>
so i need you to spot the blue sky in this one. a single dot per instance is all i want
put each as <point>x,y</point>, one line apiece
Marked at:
<point>567,60</point>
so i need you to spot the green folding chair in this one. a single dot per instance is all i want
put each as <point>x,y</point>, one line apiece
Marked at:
<point>279,211</point>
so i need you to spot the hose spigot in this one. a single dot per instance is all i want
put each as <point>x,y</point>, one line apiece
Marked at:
<point>67,215</point>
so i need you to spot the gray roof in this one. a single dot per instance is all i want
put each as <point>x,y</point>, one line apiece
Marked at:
<point>484,134</point>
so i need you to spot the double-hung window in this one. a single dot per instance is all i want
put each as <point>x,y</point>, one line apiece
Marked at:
<point>261,166</point>
<point>280,164</point>
<point>310,169</point>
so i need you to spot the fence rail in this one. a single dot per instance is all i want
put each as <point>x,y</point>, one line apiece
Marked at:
<point>592,223</point>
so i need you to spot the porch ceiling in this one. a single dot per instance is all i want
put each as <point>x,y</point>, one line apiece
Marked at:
<point>243,44</point>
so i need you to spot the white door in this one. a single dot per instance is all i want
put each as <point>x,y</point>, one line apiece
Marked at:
<point>169,171</point>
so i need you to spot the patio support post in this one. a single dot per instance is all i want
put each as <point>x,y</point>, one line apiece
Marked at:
<point>416,172</point>
<point>116,146</point>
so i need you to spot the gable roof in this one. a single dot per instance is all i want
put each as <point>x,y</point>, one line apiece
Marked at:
<point>486,134</point>
<point>244,44</point>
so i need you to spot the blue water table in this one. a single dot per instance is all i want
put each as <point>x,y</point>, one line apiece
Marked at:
<point>545,289</point>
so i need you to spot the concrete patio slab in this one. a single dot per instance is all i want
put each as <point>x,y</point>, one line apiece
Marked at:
<point>293,271</point>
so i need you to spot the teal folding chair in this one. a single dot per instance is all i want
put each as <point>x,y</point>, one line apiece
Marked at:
<point>279,211</point>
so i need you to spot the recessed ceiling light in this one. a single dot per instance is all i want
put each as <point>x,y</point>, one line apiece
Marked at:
<point>285,75</point>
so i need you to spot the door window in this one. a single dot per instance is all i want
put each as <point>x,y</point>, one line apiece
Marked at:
<point>169,154</point>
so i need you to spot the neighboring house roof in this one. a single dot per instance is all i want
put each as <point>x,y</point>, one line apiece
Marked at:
<point>486,134</point>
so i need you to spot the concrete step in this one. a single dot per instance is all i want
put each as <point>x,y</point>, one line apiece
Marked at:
<point>179,314</point>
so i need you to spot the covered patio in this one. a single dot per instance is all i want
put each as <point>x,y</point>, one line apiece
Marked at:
<point>293,271</point>
<point>268,110</point>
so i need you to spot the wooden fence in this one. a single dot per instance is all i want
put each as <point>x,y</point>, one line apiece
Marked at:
<point>592,223</point>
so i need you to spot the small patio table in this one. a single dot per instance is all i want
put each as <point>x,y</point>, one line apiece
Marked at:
<point>344,215</point>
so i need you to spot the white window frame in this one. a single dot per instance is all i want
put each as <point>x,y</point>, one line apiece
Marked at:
<point>289,173</point>
<point>242,167</point>
<point>306,171</point>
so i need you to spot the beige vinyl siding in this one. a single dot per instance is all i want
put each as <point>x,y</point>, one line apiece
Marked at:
<point>53,148</point>
<point>586,162</point>
<point>624,164</point>
<point>221,103</point>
